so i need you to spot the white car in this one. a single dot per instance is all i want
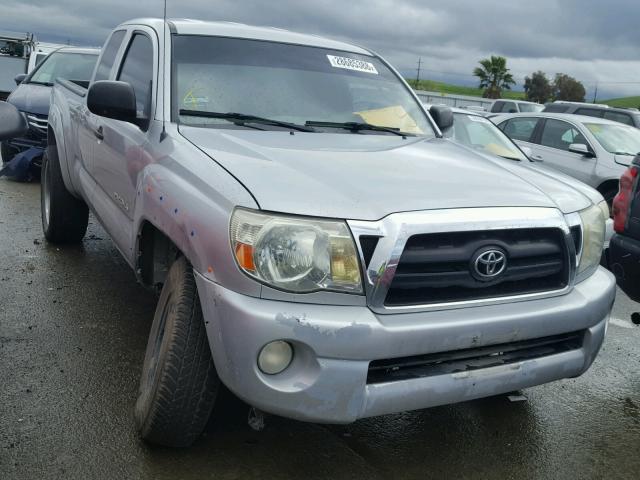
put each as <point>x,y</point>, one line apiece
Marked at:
<point>593,150</point>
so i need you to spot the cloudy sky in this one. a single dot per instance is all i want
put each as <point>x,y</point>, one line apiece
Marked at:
<point>593,40</point>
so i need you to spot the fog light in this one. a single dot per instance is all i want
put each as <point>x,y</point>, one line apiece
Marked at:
<point>275,357</point>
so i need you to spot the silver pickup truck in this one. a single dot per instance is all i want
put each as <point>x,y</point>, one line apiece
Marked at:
<point>317,246</point>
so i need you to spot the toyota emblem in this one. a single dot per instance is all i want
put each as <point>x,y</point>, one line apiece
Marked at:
<point>489,263</point>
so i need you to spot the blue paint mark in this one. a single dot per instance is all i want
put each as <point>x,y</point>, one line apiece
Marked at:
<point>193,233</point>
<point>161,197</point>
<point>175,211</point>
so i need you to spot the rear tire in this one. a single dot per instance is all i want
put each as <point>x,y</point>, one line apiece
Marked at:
<point>179,383</point>
<point>64,217</point>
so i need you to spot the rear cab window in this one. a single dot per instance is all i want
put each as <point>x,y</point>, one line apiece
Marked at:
<point>109,53</point>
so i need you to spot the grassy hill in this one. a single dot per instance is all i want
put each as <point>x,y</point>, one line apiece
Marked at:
<point>442,87</point>
<point>623,102</point>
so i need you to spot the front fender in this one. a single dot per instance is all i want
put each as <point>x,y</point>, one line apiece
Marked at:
<point>56,126</point>
<point>194,213</point>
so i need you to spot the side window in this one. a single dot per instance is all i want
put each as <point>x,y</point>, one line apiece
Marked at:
<point>137,71</point>
<point>520,128</point>
<point>590,112</point>
<point>109,53</point>
<point>556,108</point>
<point>510,107</point>
<point>497,106</point>
<point>619,117</point>
<point>559,134</point>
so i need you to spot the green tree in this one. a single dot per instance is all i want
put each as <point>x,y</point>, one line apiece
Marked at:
<point>537,87</point>
<point>494,76</point>
<point>568,88</point>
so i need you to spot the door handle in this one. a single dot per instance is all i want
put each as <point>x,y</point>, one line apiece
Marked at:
<point>99,133</point>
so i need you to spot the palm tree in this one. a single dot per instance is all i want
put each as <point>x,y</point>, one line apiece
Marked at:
<point>494,76</point>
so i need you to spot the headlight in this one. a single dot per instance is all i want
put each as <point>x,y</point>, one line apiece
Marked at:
<point>593,228</point>
<point>296,254</point>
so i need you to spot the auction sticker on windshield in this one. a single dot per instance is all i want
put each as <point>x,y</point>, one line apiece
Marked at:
<point>352,64</point>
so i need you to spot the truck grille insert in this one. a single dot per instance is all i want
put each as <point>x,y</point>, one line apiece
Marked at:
<point>469,359</point>
<point>439,268</point>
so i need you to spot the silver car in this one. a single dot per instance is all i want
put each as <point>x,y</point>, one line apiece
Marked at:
<point>593,150</point>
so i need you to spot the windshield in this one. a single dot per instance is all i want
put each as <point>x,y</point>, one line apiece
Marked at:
<point>528,107</point>
<point>289,83</point>
<point>70,66</point>
<point>618,139</point>
<point>479,133</point>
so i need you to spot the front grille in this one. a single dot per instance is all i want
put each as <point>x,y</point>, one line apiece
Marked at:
<point>37,127</point>
<point>437,268</point>
<point>469,359</point>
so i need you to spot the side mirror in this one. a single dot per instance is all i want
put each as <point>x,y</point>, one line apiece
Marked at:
<point>443,116</point>
<point>580,148</point>
<point>19,78</point>
<point>12,123</point>
<point>110,99</point>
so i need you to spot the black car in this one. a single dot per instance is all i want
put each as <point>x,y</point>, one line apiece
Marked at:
<point>624,248</point>
<point>628,116</point>
<point>34,91</point>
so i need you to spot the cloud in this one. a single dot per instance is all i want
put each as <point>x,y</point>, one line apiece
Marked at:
<point>589,39</point>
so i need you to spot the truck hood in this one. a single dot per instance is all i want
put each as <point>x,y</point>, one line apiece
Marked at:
<point>367,177</point>
<point>31,98</point>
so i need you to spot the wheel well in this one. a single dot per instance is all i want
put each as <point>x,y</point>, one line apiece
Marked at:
<point>608,185</point>
<point>156,253</point>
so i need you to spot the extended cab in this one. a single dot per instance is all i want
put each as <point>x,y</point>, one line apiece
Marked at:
<point>318,247</point>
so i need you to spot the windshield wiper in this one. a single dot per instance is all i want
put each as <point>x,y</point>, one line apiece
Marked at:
<point>46,84</point>
<point>242,118</point>
<point>356,127</point>
<point>511,158</point>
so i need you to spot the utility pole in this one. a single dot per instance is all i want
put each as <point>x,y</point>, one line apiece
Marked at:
<point>418,76</point>
<point>595,93</point>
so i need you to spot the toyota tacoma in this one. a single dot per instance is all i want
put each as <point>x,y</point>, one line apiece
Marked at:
<point>317,246</point>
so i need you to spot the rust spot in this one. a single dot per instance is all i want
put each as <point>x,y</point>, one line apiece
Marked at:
<point>210,269</point>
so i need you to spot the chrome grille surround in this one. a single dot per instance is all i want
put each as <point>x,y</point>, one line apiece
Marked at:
<point>395,229</point>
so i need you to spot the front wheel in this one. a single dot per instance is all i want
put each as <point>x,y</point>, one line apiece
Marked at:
<point>179,382</point>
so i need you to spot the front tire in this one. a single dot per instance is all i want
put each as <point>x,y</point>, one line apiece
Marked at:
<point>64,217</point>
<point>179,383</point>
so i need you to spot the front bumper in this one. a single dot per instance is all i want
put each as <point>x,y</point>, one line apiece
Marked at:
<point>327,379</point>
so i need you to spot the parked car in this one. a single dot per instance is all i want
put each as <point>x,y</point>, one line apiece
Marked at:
<point>482,135</point>
<point>515,106</point>
<point>624,251</point>
<point>593,150</point>
<point>324,265</point>
<point>628,116</point>
<point>34,91</point>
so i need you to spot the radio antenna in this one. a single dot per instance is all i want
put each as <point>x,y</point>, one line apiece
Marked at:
<point>163,134</point>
